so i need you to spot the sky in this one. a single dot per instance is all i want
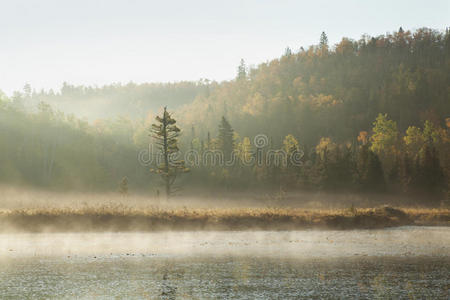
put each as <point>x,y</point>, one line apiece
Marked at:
<point>91,42</point>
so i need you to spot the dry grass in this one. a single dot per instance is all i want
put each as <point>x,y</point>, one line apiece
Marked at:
<point>41,211</point>
<point>127,218</point>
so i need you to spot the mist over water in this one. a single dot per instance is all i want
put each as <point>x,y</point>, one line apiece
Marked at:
<point>402,241</point>
<point>401,262</point>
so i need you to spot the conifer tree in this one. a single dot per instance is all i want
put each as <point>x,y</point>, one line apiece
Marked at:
<point>166,133</point>
<point>226,140</point>
<point>323,44</point>
<point>323,40</point>
<point>242,70</point>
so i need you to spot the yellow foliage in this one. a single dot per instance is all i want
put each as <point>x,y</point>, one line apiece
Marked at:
<point>363,137</point>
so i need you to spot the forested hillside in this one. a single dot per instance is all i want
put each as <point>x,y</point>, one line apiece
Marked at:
<point>336,91</point>
<point>368,116</point>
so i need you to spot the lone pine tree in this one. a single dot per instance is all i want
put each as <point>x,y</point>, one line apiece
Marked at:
<point>166,133</point>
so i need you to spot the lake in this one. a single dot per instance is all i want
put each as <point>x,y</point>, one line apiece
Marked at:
<point>404,262</point>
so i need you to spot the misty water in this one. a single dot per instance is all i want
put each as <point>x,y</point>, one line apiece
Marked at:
<point>405,262</point>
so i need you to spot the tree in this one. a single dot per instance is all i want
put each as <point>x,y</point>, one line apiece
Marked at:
<point>242,70</point>
<point>287,51</point>
<point>291,155</point>
<point>245,151</point>
<point>226,140</point>
<point>323,44</point>
<point>374,179</point>
<point>370,170</point>
<point>385,134</point>
<point>166,133</point>
<point>323,40</point>
<point>414,139</point>
<point>430,175</point>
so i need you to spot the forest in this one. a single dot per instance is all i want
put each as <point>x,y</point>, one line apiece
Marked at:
<point>368,116</point>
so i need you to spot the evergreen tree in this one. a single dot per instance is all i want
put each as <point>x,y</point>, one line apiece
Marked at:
<point>323,43</point>
<point>242,70</point>
<point>226,139</point>
<point>323,40</point>
<point>166,133</point>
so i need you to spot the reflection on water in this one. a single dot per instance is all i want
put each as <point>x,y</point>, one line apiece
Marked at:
<point>282,265</point>
<point>225,277</point>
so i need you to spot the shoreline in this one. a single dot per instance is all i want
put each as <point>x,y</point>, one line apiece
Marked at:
<point>123,220</point>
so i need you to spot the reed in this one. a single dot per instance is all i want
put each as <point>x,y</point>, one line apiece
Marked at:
<point>127,218</point>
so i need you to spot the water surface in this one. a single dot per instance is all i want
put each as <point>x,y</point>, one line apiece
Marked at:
<point>407,262</point>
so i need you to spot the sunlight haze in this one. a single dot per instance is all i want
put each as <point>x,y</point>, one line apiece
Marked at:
<point>45,43</point>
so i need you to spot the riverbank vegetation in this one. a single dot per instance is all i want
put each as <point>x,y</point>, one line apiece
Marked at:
<point>122,218</point>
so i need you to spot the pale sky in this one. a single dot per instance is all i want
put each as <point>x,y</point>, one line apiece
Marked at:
<point>47,42</point>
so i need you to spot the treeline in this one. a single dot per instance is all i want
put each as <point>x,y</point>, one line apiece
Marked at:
<point>48,149</point>
<point>414,163</point>
<point>334,91</point>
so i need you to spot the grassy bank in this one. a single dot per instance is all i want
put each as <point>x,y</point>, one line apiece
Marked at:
<point>121,218</point>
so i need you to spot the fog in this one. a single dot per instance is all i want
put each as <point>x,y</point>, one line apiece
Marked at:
<point>403,241</point>
<point>321,172</point>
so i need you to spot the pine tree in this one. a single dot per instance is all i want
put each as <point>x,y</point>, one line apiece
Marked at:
<point>323,44</point>
<point>166,133</point>
<point>242,70</point>
<point>226,140</point>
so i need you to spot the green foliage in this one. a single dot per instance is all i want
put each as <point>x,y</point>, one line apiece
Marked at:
<point>290,144</point>
<point>430,133</point>
<point>385,135</point>
<point>414,139</point>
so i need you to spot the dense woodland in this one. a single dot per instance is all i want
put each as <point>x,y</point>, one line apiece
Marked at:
<point>371,116</point>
